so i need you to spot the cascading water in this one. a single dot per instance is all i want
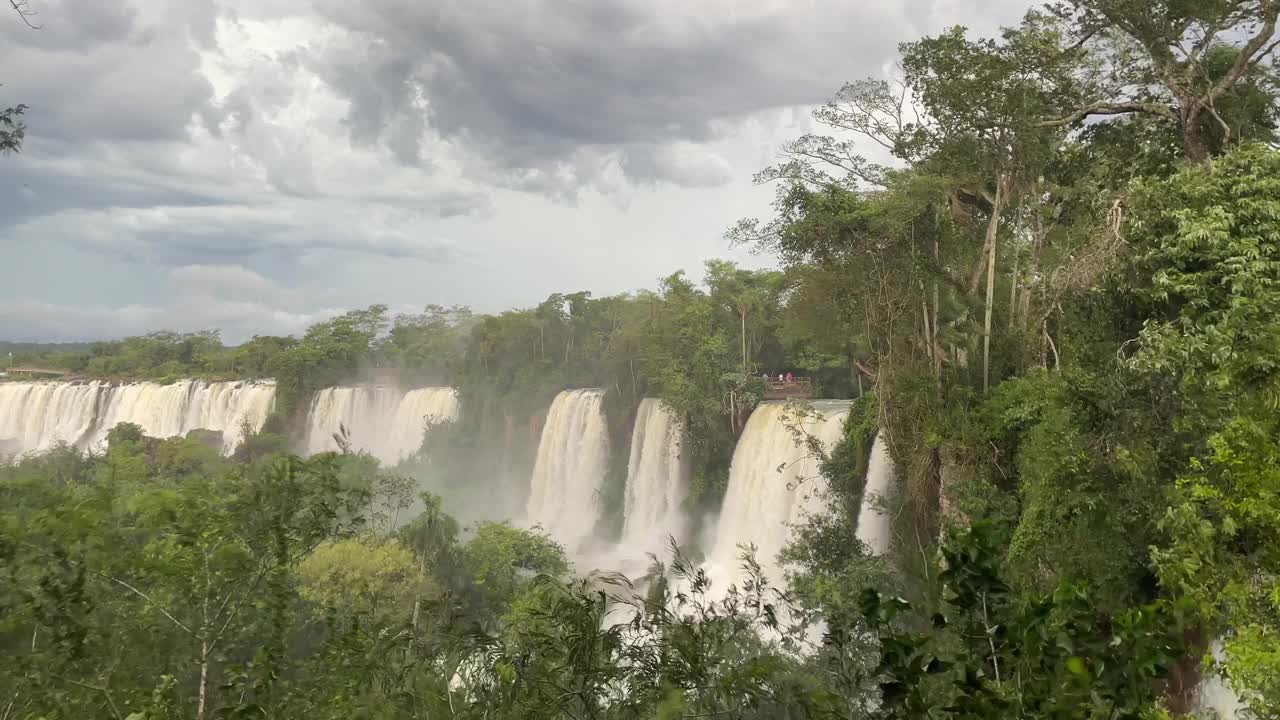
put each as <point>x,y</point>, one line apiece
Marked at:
<point>1215,694</point>
<point>35,416</point>
<point>772,483</point>
<point>657,481</point>
<point>382,421</point>
<point>873,520</point>
<point>573,457</point>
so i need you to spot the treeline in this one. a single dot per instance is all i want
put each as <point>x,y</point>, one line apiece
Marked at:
<point>701,347</point>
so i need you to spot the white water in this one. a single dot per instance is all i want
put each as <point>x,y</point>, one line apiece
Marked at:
<point>36,416</point>
<point>573,457</point>
<point>873,520</point>
<point>657,481</point>
<point>772,484</point>
<point>383,422</point>
<point>1215,694</point>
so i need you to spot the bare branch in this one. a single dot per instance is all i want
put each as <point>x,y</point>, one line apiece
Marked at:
<point>23,8</point>
<point>1106,108</point>
<point>106,692</point>
<point>147,598</point>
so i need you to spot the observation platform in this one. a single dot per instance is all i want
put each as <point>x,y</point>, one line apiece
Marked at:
<point>797,388</point>
<point>47,372</point>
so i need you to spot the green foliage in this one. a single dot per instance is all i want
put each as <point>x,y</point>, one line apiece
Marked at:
<point>12,129</point>
<point>1209,238</point>
<point>370,576</point>
<point>502,560</point>
<point>991,654</point>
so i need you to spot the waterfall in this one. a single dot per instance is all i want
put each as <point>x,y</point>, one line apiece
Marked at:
<point>36,416</point>
<point>573,456</point>
<point>381,421</point>
<point>657,481</point>
<point>1213,693</point>
<point>873,521</point>
<point>772,483</point>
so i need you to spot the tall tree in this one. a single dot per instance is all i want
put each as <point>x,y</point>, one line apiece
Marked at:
<point>1159,58</point>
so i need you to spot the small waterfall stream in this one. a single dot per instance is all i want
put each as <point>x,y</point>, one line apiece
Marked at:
<point>873,520</point>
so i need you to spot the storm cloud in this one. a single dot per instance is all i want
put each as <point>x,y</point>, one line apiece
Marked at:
<point>345,153</point>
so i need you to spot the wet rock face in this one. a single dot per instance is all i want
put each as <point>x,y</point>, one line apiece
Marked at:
<point>212,439</point>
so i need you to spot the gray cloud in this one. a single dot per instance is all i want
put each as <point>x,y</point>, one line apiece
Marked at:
<point>101,71</point>
<point>528,84</point>
<point>258,164</point>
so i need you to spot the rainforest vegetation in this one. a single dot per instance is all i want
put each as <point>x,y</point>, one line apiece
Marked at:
<point>1058,303</point>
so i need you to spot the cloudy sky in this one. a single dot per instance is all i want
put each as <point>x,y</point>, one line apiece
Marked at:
<point>256,165</point>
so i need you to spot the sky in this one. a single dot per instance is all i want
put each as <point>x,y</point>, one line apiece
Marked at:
<point>259,165</point>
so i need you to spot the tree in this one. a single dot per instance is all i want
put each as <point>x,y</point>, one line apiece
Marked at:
<point>1209,250</point>
<point>501,561</point>
<point>12,131</point>
<point>1164,59</point>
<point>991,654</point>
<point>374,577</point>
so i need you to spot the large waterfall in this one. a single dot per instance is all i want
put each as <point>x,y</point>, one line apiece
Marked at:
<point>384,422</point>
<point>873,519</point>
<point>772,484</point>
<point>657,481</point>
<point>573,456</point>
<point>35,416</point>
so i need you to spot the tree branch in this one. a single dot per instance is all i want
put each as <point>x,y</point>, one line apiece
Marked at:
<point>147,598</point>
<point>1249,53</point>
<point>100,688</point>
<point>1106,108</point>
<point>120,582</point>
<point>22,7</point>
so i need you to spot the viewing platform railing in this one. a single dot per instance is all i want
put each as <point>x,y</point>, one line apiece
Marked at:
<point>798,388</point>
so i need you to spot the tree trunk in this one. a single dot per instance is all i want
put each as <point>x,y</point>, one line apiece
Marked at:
<point>1013,284</point>
<point>204,679</point>
<point>993,228</point>
<point>1194,146</point>
<point>1037,244</point>
<point>926,334</point>
<point>937,352</point>
<point>743,315</point>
